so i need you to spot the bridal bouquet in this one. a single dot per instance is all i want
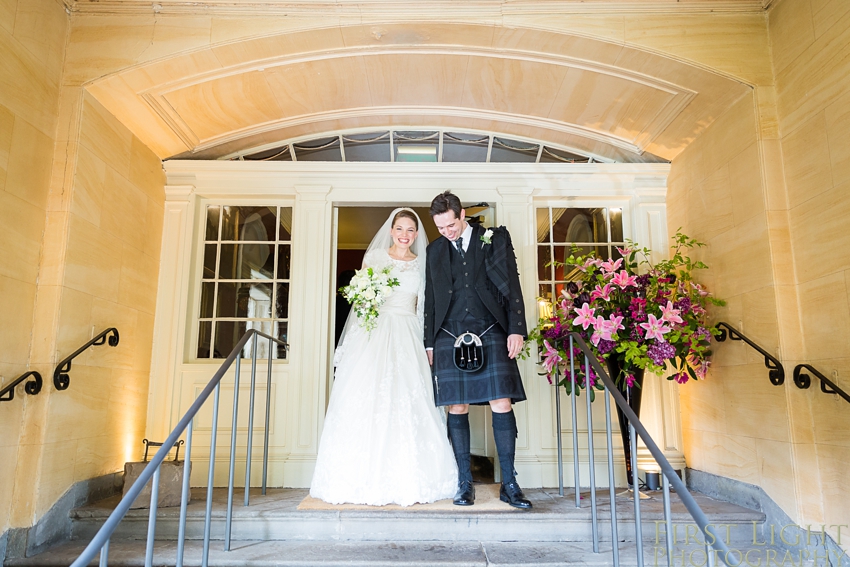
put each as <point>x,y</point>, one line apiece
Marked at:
<point>636,315</point>
<point>367,292</point>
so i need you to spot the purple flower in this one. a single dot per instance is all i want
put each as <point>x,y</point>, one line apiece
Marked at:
<point>660,352</point>
<point>681,377</point>
<point>643,280</point>
<point>605,346</point>
<point>683,304</point>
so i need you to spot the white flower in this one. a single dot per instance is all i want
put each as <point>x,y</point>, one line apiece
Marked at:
<point>485,238</point>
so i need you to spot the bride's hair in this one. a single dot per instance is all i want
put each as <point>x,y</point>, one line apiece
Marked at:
<point>404,213</point>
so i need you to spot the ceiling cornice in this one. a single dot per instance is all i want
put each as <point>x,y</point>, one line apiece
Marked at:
<point>442,9</point>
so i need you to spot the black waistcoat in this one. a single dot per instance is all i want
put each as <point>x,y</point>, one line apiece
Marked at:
<point>465,301</point>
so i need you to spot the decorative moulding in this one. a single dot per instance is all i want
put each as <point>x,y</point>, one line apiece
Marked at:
<point>436,9</point>
<point>678,97</point>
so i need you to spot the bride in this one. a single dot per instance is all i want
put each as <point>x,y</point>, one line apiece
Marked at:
<point>384,440</point>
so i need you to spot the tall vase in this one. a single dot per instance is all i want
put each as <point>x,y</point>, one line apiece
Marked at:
<point>633,396</point>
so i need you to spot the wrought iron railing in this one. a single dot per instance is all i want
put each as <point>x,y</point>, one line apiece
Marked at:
<point>61,379</point>
<point>32,387</point>
<point>636,429</point>
<point>100,542</point>
<point>776,370</point>
<point>827,386</point>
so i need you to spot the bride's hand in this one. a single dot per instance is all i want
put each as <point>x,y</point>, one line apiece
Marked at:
<point>515,343</point>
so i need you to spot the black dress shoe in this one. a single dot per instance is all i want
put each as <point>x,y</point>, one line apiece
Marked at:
<point>465,494</point>
<point>512,494</point>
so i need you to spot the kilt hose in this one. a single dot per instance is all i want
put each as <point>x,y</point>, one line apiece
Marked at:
<point>498,378</point>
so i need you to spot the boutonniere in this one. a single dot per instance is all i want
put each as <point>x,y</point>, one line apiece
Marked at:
<point>485,238</point>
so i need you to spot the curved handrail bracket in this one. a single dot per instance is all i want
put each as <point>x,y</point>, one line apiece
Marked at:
<point>776,372</point>
<point>61,379</point>
<point>827,386</point>
<point>32,387</point>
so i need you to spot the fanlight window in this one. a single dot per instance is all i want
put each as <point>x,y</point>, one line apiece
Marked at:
<point>414,146</point>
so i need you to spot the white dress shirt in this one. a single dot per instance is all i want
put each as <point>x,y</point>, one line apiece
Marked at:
<point>467,236</point>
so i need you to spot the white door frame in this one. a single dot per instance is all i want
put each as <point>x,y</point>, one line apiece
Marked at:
<point>314,189</point>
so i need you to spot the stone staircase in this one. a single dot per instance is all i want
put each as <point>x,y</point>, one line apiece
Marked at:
<point>273,531</point>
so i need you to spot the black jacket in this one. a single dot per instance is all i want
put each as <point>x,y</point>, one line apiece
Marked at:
<point>508,308</point>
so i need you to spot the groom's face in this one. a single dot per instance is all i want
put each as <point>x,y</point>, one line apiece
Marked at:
<point>450,225</point>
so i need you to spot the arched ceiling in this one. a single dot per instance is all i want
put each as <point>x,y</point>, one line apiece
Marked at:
<point>602,99</point>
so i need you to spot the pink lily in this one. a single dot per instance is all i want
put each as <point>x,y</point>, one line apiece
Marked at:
<point>624,251</point>
<point>655,328</point>
<point>601,292</point>
<point>585,316</point>
<point>552,358</point>
<point>616,323</point>
<point>670,315</point>
<point>622,279</point>
<point>610,267</point>
<point>602,329</point>
<point>590,262</point>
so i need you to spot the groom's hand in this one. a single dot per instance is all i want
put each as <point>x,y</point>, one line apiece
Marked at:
<point>515,343</point>
<point>430,353</point>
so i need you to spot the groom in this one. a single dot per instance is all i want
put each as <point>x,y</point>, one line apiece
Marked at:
<point>472,285</point>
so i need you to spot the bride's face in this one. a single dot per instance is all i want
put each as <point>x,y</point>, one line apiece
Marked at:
<point>403,232</point>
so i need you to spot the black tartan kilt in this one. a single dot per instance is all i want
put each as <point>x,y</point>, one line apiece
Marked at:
<point>499,378</point>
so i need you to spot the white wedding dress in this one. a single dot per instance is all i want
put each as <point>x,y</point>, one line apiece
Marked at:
<point>384,441</point>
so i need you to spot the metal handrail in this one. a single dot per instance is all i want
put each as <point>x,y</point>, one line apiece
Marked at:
<point>636,428</point>
<point>100,542</point>
<point>32,387</point>
<point>776,370</point>
<point>827,386</point>
<point>61,380</point>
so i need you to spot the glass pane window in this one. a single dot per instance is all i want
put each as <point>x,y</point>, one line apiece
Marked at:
<point>579,231</point>
<point>245,278</point>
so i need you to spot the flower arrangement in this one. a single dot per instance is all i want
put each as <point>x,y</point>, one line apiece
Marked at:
<point>639,315</point>
<point>367,292</point>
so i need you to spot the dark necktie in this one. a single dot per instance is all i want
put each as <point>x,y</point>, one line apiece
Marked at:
<point>459,244</point>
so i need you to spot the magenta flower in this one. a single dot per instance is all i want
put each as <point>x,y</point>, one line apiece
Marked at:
<point>670,314</point>
<point>655,328</point>
<point>601,293</point>
<point>624,251</point>
<point>585,316</point>
<point>622,279</point>
<point>551,360</point>
<point>630,380</point>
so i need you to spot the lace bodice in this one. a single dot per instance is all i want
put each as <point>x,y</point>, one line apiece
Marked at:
<point>404,297</point>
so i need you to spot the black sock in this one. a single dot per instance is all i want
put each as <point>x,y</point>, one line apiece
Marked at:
<point>504,434</point>
<point>458,425</point>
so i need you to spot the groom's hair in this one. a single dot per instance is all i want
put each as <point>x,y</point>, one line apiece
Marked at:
<point>445,202</point>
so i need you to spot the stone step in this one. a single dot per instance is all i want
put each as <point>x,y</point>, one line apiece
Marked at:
<point>394,554</point>
<point>276,517</point>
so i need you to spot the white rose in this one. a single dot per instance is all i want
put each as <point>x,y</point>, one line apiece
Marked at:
<point>386,290</point>
<point>488,233</point>
<point>369,293</point>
